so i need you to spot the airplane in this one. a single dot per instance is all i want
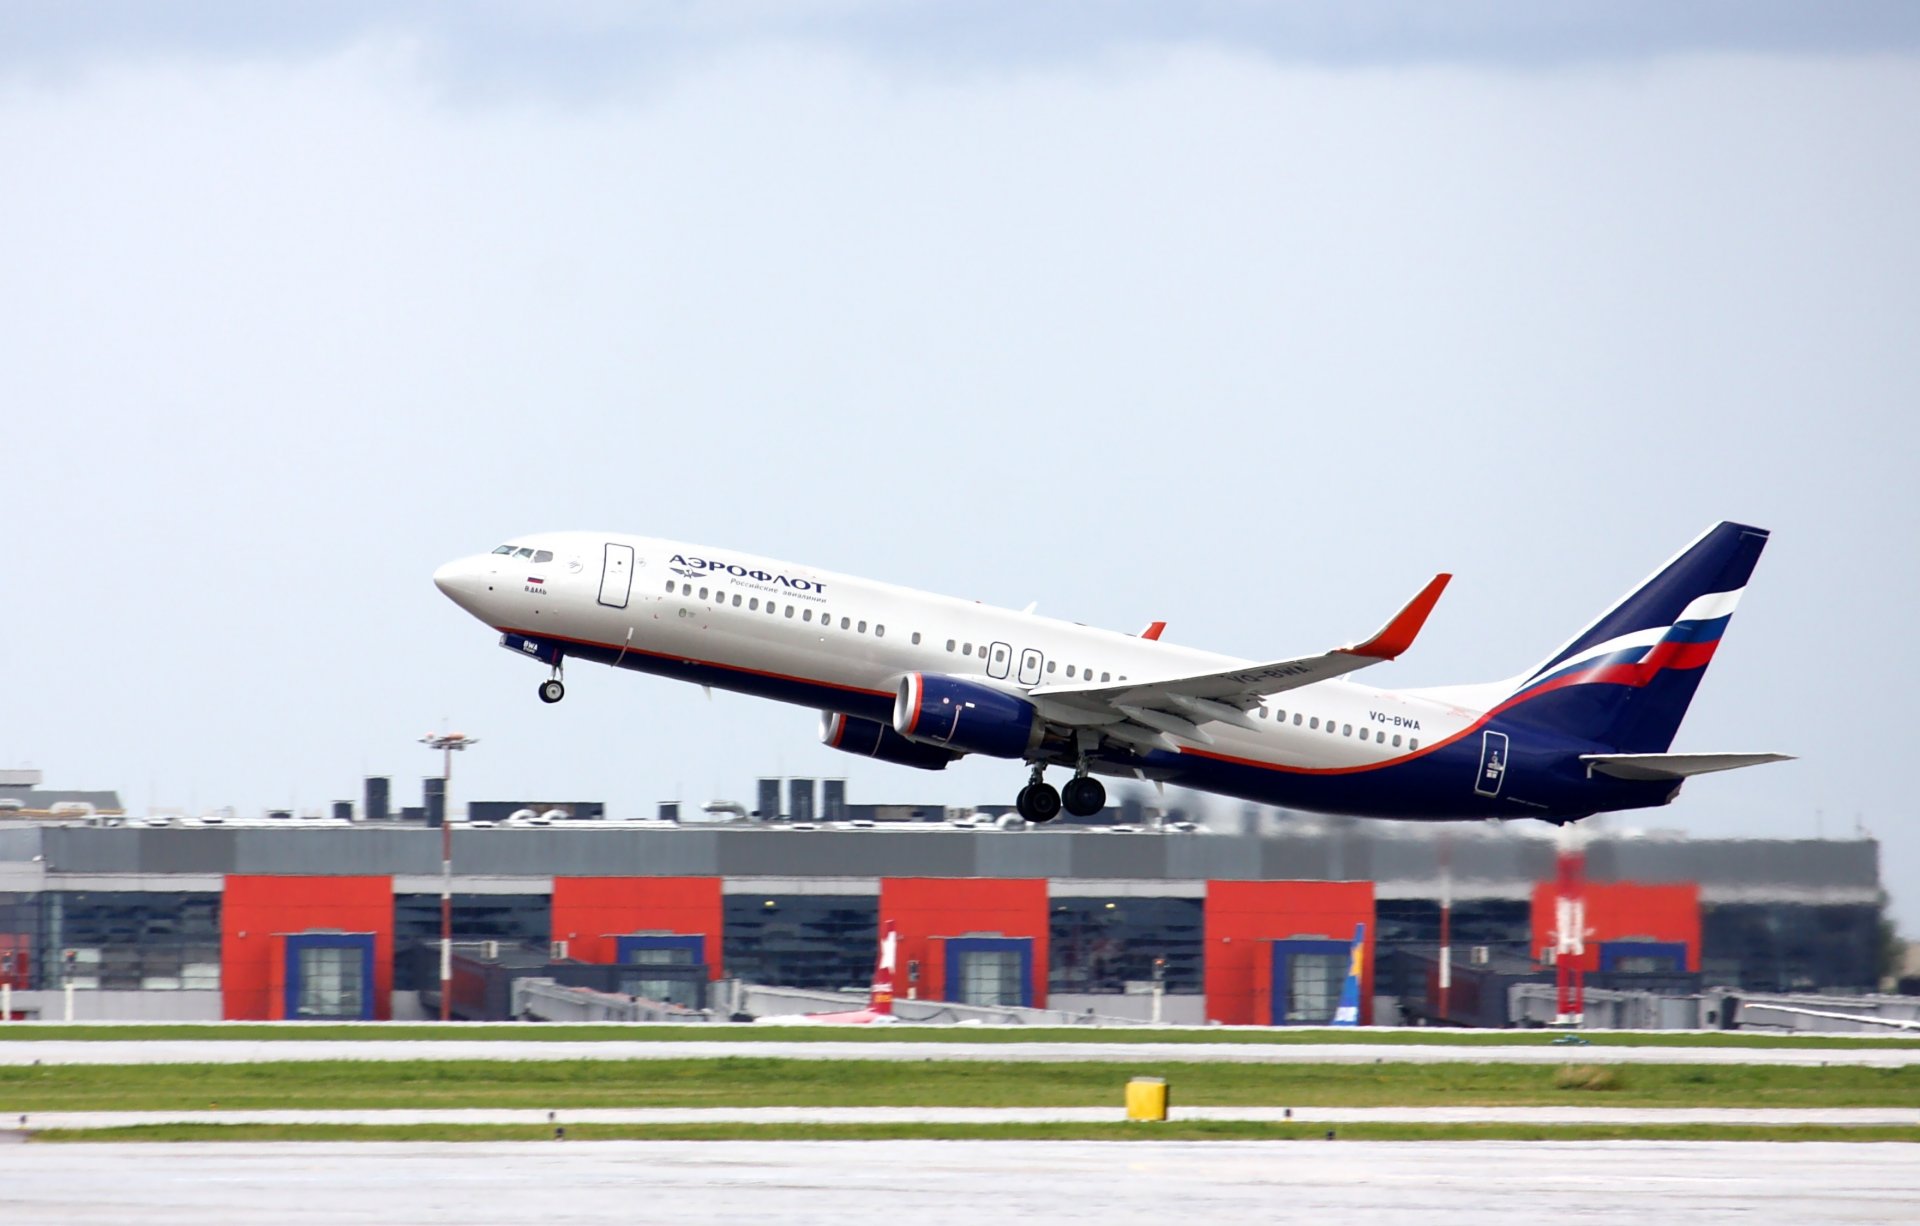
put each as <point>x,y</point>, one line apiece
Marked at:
<point>922,680</point>
<point>879,1010</point>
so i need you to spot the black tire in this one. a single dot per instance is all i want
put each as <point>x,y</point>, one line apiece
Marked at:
<point>1038,802</point>
<point>1084,796</point>
<point>552,691</point>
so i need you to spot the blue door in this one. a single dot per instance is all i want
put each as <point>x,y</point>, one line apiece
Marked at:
<point>330,976</point>
<point>990,970</point>
<point>1307,975</point>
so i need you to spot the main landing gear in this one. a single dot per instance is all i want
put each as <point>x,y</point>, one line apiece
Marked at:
<point>1038,802</point>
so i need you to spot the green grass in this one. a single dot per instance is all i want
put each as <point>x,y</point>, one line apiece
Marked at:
<point>755,1082</point>
<point>1119,1132</point>
<point>522,1033</point>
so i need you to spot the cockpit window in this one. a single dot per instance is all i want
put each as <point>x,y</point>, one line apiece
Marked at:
<point>504,549</point>
<point>523,553</point>
<point>544,555</point>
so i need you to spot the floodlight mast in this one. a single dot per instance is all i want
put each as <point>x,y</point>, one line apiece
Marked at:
<point>447,743</point>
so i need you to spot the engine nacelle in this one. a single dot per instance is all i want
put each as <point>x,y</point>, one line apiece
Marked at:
<point>936,709</point>
<point>873,739</point>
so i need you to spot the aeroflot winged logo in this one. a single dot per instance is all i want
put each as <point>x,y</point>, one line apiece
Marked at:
<point>694,568</point>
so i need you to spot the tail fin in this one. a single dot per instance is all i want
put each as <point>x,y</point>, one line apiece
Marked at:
<point>880,998</point>
<point>1625,681</point>
<point>1347,1013</point>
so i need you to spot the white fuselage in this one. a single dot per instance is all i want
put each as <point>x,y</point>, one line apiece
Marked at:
<point>846,642</point>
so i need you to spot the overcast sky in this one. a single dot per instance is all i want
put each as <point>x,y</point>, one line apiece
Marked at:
<point>1249,318</point>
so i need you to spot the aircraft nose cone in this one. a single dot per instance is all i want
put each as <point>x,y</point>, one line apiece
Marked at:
<point>447,578</point>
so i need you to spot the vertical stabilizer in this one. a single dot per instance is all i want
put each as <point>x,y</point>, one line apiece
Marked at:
<point>1626,680</point>
<point>880,998</point>
<point>1348,1011</point>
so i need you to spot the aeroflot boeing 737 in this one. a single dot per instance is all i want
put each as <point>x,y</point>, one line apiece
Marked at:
<point>923,680</point>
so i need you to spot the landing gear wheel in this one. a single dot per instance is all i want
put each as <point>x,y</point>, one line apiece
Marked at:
<point>1084,796</point>
<point>1038,802</point>
<point>552,691</point>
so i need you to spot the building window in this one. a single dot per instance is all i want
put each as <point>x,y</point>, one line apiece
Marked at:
<point>115,939</point>
<point>1109,945</point>
<point>823,942</point>
<point>512,919</point>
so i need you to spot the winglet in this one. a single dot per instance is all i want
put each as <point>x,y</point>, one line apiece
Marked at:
<point>1153,630</point>
<point>1398,635</point>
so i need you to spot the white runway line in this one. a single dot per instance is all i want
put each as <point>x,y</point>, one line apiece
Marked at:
<point>1767,1117</point>
<point>961,1183</point>
<point>247,1051</point>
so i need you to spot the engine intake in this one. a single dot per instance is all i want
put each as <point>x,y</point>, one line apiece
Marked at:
<point>936,709</point>
<point>873,739</point>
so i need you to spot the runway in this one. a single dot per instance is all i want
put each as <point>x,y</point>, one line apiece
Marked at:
<point>1757,1117</point>
<point>250,1051</point>
<point>960,1183</point>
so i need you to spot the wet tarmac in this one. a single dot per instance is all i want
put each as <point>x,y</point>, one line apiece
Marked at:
<point>960,1183</point>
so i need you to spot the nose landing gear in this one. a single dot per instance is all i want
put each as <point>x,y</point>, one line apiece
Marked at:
<point>552,690</point>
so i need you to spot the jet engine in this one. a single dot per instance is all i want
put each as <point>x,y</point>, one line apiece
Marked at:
<point>964,715</point>
<point>872,739</point>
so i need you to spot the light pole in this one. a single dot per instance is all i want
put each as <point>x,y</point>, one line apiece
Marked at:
<point>447,743</point>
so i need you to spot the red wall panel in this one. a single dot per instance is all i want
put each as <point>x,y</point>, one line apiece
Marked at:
<point>255,912</point>
<point>1624,911</point>
<point>1242,917</point>
<point>929,907</point>
<point>590,912</point>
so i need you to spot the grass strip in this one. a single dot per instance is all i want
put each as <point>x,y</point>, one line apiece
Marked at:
<point>547,1033</point>
<point>1198,1130</point>
<point>763,1082</point>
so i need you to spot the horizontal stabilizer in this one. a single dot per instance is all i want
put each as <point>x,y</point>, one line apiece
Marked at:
<point>1655,766</point>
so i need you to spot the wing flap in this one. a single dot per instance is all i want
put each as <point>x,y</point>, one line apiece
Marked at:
<point>1656,766</point>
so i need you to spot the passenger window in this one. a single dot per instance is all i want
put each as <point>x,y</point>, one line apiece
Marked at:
<point>862,627</point>
<point>1279,717</point>
<point>879,631</point>
<point>916,638</point>
<point>1314,723</point>
<point>736,600</point>
<point>966,649</point>
<point>949,644</point>
<point>669,587</point>
<point>1396,740</point>
<point>806,615</point>
<point>1296,719</point>
<point>1106,676</point>
<point>1363,734</point>
<point>1069,670</point>
<point>753,606</point>
<point>545,555</point>
<point>1049,665</point>
<point>703,593</point>
<point>789,610</point>
<point>1414,743</point>
<point>845,623</point>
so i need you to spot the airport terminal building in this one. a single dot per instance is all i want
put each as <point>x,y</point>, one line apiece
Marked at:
<point>320,920</point>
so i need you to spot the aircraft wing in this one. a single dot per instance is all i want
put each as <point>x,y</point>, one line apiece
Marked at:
<point>1178,705</point>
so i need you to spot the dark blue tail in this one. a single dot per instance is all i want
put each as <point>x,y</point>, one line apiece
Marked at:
<point>1625,681</point>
